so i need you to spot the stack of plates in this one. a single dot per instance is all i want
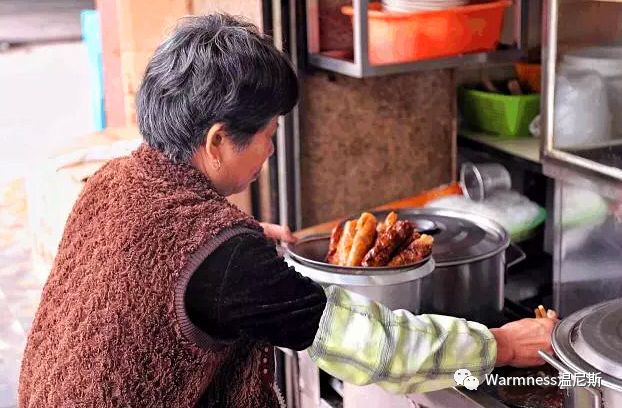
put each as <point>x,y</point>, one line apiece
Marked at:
<point>408,6</point>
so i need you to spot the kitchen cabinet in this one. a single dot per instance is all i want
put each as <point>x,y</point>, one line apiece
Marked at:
<point>586,162</point>
<point>326,50</point>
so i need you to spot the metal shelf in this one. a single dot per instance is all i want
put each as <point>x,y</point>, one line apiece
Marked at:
<point>520,153</point>
<point>360,67</point>
<point>526,148</point>
<point>350,68</point>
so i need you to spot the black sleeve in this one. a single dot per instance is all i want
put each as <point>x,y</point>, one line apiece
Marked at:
<point>245,289</point>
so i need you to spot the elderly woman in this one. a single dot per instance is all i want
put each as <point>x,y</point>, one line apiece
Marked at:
<point>163,294</point>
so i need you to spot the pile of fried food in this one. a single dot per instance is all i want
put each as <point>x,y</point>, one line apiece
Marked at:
<point>367,242</point>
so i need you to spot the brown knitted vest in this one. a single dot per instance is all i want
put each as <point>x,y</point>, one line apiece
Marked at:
<point>111,329</point>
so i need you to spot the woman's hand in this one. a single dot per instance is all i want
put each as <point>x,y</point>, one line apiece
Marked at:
<point>279,233</point>
<point>518,342</point>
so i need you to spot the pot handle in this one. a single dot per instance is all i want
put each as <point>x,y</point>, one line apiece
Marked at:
<point>514,254</point>
<point>596,395</point>
<point>559,366</point>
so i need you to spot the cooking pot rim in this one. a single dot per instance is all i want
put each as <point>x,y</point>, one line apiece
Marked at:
<point>382,278</point>
<point>561,341</point>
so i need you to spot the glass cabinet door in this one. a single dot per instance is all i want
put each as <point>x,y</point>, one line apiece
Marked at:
<point>582,104</point>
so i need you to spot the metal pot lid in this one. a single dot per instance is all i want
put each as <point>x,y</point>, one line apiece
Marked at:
<point>461,237</point>
<point>598,339</point>
<point>590,341</point>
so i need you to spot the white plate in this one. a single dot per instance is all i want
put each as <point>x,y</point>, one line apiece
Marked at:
<point>421,5</point>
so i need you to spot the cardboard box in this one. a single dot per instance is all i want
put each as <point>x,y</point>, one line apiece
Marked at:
<point>131,31</point>
<point>250,9</point>
<point>144,24</point>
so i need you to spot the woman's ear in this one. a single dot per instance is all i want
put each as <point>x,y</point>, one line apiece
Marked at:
<point>214,141</point>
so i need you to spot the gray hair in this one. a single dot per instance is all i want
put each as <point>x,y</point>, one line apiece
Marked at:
<point>212,69</point>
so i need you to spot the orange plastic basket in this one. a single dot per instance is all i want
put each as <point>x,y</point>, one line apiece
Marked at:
<point>529,74</point>
<point>401,37</point>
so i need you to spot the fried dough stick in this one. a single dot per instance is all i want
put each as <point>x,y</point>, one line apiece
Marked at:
<point>418,249</point>
<point>387,243</point>
<point>390,219</point>
<point>335,236</point>
<point>363,239</point>
<point>345,243</point>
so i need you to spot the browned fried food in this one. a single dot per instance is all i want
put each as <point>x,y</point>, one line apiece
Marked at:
<point>389,220</point>
<point>345,243</point>
<point>418,249</point>
<point>423,245</point>
<point>415,236</point>
<point>363,239</point>
<point>335,236</point>
<point>387,243</point>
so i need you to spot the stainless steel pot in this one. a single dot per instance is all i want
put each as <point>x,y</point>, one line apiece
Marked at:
<point>396,288</point>
<point>590,341</point>
<point>472,254</point>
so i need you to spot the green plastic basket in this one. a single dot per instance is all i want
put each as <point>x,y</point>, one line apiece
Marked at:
<point>507,115</point>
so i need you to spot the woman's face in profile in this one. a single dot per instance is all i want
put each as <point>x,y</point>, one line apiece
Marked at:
<point>241,166</point>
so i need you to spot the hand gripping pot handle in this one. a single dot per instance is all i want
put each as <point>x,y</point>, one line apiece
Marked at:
<point>559,366</point>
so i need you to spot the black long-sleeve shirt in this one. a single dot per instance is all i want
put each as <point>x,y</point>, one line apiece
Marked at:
<point>244,289</point>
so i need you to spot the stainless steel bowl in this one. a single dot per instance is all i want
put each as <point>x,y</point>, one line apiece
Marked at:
<point>396,288</point>
<point>311,251</point>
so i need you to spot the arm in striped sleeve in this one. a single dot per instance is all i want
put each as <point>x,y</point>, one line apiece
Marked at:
<point>363,342</point>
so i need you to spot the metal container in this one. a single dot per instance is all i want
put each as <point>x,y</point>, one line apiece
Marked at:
<point>396,288</point>
<point>480,181</point>
<point>587,342</point>
<point>471,254</point>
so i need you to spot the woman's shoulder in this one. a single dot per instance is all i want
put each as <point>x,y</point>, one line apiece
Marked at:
<point>245,243</point>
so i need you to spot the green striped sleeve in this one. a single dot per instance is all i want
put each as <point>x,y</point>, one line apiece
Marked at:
<point>363,342</point>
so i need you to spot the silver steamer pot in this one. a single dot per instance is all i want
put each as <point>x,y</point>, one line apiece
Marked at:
<point>472,254</point>
<point>590,341</point>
